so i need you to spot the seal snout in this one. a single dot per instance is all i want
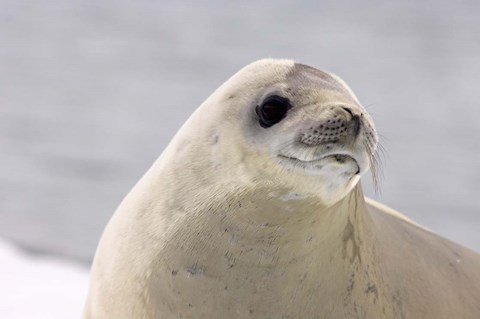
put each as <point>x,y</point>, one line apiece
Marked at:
<point>343,126</point>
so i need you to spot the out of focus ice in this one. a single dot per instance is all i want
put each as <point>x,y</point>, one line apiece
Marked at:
<point>39,287</point>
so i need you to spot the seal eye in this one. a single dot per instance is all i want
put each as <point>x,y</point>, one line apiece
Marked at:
<point>272,110</point>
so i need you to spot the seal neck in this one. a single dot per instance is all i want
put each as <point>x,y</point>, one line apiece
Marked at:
<point>328,250</point>
<point>331,249</point>
<point>290,227</point>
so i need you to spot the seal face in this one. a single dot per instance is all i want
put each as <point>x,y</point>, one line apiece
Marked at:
<point>255,210</point>
<point>313,127</point>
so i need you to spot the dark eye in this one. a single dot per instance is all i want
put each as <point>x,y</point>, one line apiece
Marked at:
<point>272,110</point>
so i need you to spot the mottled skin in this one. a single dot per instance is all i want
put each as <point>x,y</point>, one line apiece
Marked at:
<point>239,221</point>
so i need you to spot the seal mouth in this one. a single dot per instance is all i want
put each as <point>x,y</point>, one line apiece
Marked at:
<point>337,157</point>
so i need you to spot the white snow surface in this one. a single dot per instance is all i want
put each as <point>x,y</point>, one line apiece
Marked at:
<point>34,286</point>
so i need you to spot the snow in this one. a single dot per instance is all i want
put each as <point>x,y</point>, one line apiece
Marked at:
<point>40,287</point>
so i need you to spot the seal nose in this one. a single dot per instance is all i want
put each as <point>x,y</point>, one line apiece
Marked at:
<point>355,122</point>
<point>342,126</point>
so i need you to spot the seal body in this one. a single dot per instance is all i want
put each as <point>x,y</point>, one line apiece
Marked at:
<point>255,210</point>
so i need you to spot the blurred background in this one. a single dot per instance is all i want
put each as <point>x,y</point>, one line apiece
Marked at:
<point>92,91</point>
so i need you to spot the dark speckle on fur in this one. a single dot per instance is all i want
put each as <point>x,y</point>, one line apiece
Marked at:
<point>372,288</point>
<point>196,270</point>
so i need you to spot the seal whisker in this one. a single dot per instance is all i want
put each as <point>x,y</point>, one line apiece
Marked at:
<point>375,154</point>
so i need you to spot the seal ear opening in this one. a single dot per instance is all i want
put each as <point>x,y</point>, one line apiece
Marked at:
<point>272,110</point>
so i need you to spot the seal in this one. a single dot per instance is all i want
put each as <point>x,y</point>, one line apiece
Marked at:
<point>255,210</point>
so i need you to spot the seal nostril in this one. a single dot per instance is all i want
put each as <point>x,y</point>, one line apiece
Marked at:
<point>348,110</point>
<point>357,122</point>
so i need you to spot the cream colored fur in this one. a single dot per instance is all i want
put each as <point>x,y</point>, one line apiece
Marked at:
<point>219,228</point>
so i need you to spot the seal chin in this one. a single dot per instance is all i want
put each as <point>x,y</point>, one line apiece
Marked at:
<point>345,163</point>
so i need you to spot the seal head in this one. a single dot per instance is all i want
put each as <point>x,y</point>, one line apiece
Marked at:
<point>294,125</point>
<point>245,200</point>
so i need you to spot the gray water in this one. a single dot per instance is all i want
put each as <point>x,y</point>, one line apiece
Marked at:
<point>91,92</point>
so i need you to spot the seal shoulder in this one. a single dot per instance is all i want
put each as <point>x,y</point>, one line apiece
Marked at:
<point>391,212</point>
<point>420,264</point>
<point>387,218</point>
